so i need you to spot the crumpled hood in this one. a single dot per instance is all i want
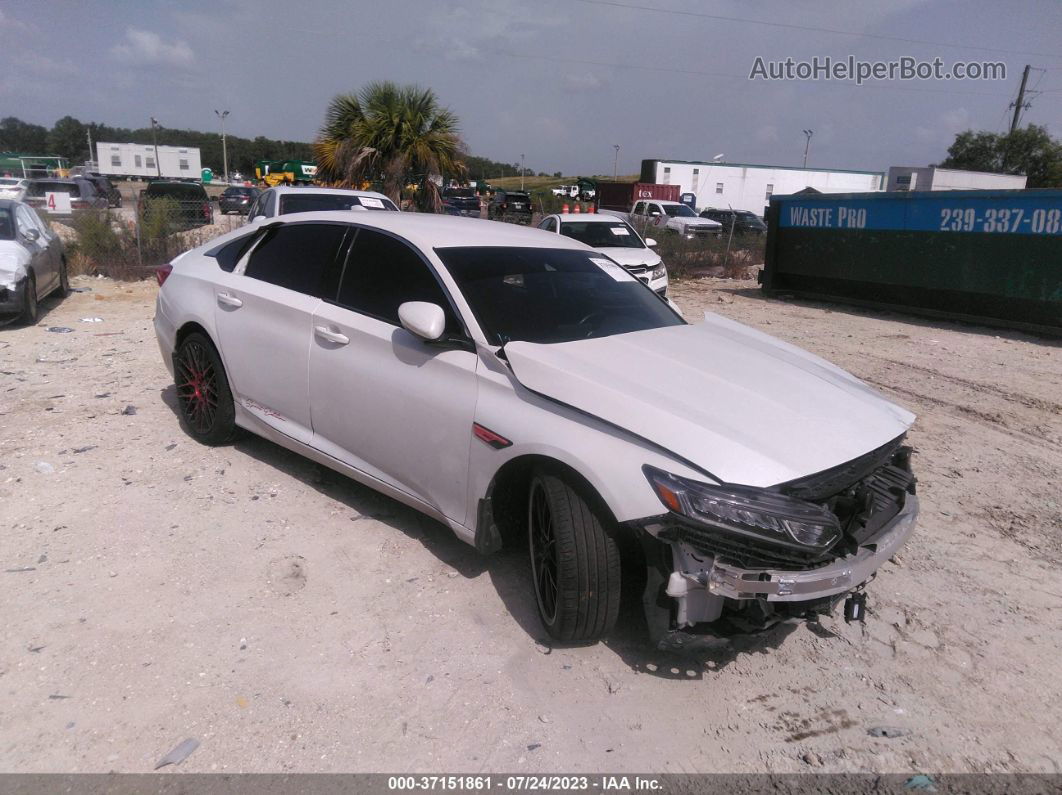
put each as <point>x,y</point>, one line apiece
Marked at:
<point>631,256</point>
<point>738,403</point>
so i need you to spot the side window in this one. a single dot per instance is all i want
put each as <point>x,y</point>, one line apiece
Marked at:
<point>300,257</point>
<point>383,273</point>
<point>267,204</point>
<point>639,208</point>
<point>550,225</point>
<point>230,253</point>
<point>25,222</point>
<point>252,211</point>
<point>42,223</point>
<point>654,209</point>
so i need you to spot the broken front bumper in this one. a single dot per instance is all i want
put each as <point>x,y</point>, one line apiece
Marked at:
<point>700,585</point>
<point>834,578</point>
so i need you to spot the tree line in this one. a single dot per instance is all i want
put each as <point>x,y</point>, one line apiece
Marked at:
<point>68,138</point>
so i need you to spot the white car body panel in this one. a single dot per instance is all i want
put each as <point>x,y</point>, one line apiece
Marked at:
<point>761,413</point>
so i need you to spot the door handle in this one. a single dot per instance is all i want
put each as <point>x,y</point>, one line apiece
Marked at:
<point>229,300</point>
<point>326,333</point>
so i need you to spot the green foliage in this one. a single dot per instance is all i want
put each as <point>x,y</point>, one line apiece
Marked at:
<point>96,236</point>
<point>160,218</point>
<point>685,258</point>
<point>18,136</point>
<point>393,134</point>
<point>1030,151</point>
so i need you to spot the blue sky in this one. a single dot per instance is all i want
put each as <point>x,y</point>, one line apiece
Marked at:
<point>558,80</point>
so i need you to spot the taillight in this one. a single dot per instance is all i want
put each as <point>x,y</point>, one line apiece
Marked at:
<point>206,210</point>
<point>79,204</point>
<point>162,272</point>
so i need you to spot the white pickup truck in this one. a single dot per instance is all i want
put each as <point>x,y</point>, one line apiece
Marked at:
<point>670,216</point>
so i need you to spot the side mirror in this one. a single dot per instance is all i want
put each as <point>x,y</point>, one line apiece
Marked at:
<point>32,234</point>
<point>421,319</point>
<point>650,242</point>
<point>258,218</point>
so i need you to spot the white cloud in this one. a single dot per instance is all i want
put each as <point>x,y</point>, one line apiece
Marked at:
<point>144,47</point>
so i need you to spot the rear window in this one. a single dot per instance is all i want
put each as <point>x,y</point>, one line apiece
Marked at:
<point>459,193</point>
<point>176,190</point>
<point>40,187</point>
<point>321,202</point>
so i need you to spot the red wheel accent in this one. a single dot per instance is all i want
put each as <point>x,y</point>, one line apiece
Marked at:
<point>197,387</point>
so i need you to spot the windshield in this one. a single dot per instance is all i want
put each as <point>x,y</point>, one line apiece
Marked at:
<point>602,235</point>
<point>517,197</point>
<point>552,295</point>
<point>9,181</point>
<point>679,211</point>
<point>175,190</point>
<point>314,202</point>
<point>40,187</point>
<point>7,225</point>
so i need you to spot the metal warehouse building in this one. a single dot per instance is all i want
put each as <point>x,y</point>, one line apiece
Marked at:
<point>743,186</point>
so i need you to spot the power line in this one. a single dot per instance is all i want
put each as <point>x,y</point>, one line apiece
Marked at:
<point>813,28</point>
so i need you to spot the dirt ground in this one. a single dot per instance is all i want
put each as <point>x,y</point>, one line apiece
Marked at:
<point>154,590</point>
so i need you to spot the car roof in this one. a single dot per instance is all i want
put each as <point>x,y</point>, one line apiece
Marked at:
<point>591,217</point>
<point>285,189</point>
<point>429,231</point>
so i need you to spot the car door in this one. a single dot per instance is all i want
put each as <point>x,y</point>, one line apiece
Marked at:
<point>29,235</point>
<point>52,243</point>
<point>264,317</point>
<point>382,400</point>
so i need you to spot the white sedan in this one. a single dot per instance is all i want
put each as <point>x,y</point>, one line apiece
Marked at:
<point>13,188</point>
<point>285,200</point>
<point>32,262</point>
<point>615,239</point>
<point>521,388</point>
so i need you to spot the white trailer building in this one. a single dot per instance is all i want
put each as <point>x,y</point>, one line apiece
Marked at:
<point>137,161</point>
<point>905,178</point>
<point>742,186</point>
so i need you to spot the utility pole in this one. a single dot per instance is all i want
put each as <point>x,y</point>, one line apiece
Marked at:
<point>224,150</point>
<point>521,172</point>
<point>807,145</point>
<point>1020,104</point>
<point>155,139</point>
<point>88,132</point>
<point>615,163</point>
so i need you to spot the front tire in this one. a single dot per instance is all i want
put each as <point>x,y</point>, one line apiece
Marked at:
<point>203,394</point>
<point>575,562</point>
<point>63,290</point>
<point>30,307</point>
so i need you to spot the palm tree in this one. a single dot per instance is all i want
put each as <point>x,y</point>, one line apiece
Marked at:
<point>396,134</point>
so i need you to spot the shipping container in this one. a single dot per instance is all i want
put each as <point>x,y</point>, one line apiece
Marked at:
<point>622,195</point>
<point>992,257</point>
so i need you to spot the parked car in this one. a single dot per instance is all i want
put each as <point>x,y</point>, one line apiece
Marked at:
<point>186,203</point>
<point>510,205</point>
<point>673,217</point>
<point>84,197</point>
<point>106,189</point>
<point>615,239</point>
<point>237,199</point>
<point>285,200</point>
<point>32,262</point>
<point>743,222</point>
<point>13,188</point>
<point>460,201</point>
<point>519,387</point>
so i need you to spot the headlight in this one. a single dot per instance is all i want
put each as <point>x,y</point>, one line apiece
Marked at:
<point>741,510</point>
<point>659,271</point>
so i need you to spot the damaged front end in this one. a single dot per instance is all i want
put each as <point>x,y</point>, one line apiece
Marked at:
<point>788,551</point>
<point>13,276</point>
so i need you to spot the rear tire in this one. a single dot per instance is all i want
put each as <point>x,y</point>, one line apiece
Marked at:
<point>30,307</point>
<point>575,562</point>
<point>63,290</point>
<point>203,394</point>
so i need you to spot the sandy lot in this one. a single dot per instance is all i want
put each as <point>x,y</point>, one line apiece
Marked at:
<point>291,620</point>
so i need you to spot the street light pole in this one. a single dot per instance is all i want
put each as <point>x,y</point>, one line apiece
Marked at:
<point>521,172</point>
<point>807,145</point>
<point>615,162</point>
<point>155,139</point>
<point>224,149</point>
